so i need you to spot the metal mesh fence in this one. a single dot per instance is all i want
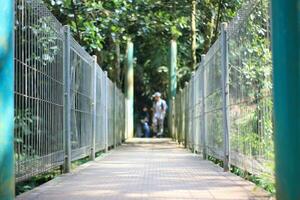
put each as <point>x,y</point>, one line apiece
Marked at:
<point>81,101</point>
<point>199,107</point>
<point>38,90</point>
<point>213,102</point>
<point>100,107</point>
<point>251,104</point>
<point>40,66</point>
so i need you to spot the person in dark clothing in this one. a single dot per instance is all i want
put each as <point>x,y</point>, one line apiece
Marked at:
<point>145,118</point>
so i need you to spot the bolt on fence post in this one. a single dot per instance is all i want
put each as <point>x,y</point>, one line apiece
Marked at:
<point>105,111</point>
<point>94,107</point>
<point>286,54</point>
<point>225,92</point>
<point>7,178</point>
<point>67,99</point>
<point>203,110</point>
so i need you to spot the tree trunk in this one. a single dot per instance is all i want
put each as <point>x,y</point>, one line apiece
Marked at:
<point>117,63</point>
<point>194,35</point>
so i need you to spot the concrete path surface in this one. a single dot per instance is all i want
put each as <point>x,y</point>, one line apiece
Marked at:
<point>147,169</point>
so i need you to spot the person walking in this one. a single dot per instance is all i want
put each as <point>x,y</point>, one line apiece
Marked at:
<point>159,113</point>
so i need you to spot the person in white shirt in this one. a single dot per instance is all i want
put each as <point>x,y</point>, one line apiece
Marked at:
<point>159,113</point>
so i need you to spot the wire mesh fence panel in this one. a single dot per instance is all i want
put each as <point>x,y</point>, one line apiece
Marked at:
<point>187,116</point>
<point>120,115</point>
<point>199,106</point>
<point>117,113</point>
<point>110,113</point>
<point>197,111</point>
<point>251,128</point>
<point>100,137</point>
<point>189,112</point>
<point>81,101</point>
<point>38,90</point>
<point>213,102</point>
<point>40,60</point>
<point>104,105</point>
<point>181,113</point>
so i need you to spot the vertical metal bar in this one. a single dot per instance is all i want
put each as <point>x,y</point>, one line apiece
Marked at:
<point>203,114</point>
<point>106,111</point>
<point>172,80</point>
<point>286,59</point>
<point>130,90</point>
<point>225,92</point>
<point>7,178</point>
<point>67,99</point>
<point>94,107</point>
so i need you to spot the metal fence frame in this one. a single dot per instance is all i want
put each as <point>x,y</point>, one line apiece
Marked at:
<point>66,107</point>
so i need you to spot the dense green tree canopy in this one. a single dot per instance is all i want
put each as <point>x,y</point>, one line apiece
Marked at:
<point>102,26</point>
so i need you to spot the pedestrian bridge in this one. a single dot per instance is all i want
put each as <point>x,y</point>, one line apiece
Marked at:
<point>58,106</point>
<point>147,169</point>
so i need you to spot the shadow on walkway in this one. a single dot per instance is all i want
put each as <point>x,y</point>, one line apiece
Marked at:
<point>147,169</point>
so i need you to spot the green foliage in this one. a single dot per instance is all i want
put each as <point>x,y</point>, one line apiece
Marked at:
<point>151,24</point>
<point>25,127</point>
<point>264,181</point>
<point>35,181</point>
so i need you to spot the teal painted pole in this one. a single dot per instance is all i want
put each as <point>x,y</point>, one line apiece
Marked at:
<point>172,71</point>
<point>286,60</point>
<point>7,179</point>
<point>129,91</point>
<point>172,81</point>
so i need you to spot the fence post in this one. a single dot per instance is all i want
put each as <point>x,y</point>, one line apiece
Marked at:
<point>129,91</point>
<point>105,111</point>
<point>172,81</point>
<point>94,107</point>
<point>286,59</point>
<point>203,110</point>
<point>67,99</point>
<point>7,178</point>
<point>225,92</point>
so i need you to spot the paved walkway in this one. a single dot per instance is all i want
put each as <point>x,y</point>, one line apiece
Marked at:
<point>147,169</point>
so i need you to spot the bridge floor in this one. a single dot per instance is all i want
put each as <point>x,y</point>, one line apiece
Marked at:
<point>147,169</point>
